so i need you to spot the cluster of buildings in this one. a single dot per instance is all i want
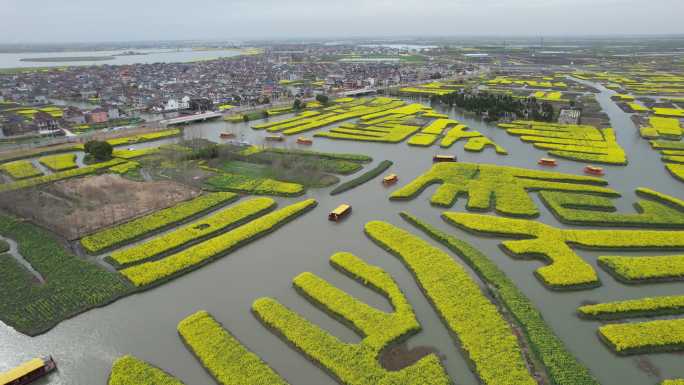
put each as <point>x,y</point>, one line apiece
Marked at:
<point>16,119</point>
<point>280,73</point>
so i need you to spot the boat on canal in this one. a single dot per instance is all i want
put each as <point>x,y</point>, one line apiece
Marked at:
<point>444,158</point>
<point>340,212</point>
<point>28,372</point>
<point>593,170</point>
<point>547,162</point>
<point>390,179</point>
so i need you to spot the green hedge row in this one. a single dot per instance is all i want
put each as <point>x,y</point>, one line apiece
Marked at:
<point>361,179</point>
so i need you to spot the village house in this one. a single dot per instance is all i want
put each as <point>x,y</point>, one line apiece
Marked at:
<point>98,115</point>
<point>43,121</point>
<point>74,116</point>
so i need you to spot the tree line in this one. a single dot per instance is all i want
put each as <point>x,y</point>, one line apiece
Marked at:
<point>499,106</point>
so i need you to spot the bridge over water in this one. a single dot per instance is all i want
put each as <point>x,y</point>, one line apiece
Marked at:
<point>191,118</point>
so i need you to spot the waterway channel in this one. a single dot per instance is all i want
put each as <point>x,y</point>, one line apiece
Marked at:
<point>145,324</point>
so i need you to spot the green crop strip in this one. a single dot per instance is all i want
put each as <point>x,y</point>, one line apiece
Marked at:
<point>483,334</point>
<point>367,176</point>
<point>677,171</point>
<point>20,169</point>
<point>560,364</point>
<point>422,140</point>
<point>305,114</point>
<point>388,133</point>
<point>353,364</point>
<point>223,355</point>
<point>357,158</point>
<point>579,142</point>
<point>144,137</point>
<point>667,145</point>
<point>59,162</point>
<point>457,133</point>
<point>156,272</point>
<point>566,269</point>
<point>33,182</point>
<point>130,231</point>
<point>344,164</point>
<point>667,128</point>
<point>434,88</point>
<point>475,141</point>
<point>69,285</point>
<point>437,127</point>
<point>253,185</point>
<point>308,120</point>
<point>642,307</point>
<point>637,270</point>
<point>132,154</point>
<point>129,370</point>
<point>124,168</point>
<point>505,187</point>
<point>644,337</point>
<point>479,143</point>
<point>583,209</point>
<point>210,225</point>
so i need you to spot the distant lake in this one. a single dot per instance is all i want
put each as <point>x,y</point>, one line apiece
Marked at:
<point>411,47</point>
<point>42,59</point>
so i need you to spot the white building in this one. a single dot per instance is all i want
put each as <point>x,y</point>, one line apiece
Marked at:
<point>184,103</point>
<point>171,105</point>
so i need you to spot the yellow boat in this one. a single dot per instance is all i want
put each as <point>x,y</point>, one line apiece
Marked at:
<point>340,212</point>
<point>28,372</point>
<point>444,158</point>
<point>390,179</point>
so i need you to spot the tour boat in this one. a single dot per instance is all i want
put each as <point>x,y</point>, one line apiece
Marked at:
<point>444,158</point>
<point>547,162</point>
<point>303,140</point>
<point>227,135</point>
<point>593,170</point>
<point>275,138</point>
<point>340,212</point>
<point>28,372</point>
<point>390,179</point>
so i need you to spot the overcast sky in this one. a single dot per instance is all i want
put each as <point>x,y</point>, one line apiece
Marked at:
<point>116,20</point>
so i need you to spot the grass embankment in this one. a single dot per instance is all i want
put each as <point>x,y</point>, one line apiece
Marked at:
<point>280,172</point>
<point>367,176</point>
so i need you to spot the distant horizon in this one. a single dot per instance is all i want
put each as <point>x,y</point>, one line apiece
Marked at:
<point>359,38</point>
<point>88,21</point>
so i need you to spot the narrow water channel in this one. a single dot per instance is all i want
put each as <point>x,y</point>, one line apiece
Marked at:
<point>145,324</point>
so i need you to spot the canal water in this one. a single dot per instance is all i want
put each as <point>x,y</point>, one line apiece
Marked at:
<point>147,56</point>
<point>145,324</point>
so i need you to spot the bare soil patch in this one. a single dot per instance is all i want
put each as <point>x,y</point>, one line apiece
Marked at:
<point>76,207</point>
<point>399,356</point>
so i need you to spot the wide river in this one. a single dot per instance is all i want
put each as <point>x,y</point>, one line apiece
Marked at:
<point>13,60</point>
<point>145,324</point>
